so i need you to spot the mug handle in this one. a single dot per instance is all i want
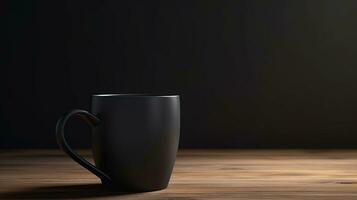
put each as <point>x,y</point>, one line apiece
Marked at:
<point>92,121</point>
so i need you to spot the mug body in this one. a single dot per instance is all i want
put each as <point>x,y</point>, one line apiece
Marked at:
<point>137,140</point>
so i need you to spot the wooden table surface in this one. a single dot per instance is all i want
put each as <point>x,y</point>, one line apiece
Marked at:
<point>198,174</point>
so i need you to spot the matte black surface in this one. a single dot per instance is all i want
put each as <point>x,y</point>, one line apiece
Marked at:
<point>135,140</point>
<point>251,73</point>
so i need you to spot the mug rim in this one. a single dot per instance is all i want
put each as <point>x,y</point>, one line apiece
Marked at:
<point>134,95</point>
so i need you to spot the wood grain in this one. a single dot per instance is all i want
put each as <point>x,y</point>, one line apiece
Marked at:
<point>198,174</point>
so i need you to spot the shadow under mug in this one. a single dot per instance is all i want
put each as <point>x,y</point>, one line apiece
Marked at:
<point>135,139</point>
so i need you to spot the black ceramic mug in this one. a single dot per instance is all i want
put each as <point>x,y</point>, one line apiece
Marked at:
<point>135,139</point>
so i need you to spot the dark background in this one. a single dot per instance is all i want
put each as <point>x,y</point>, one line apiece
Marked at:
<point>251,73</point>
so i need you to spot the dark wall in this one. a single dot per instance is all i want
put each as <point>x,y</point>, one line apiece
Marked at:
<point>250,73</point>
